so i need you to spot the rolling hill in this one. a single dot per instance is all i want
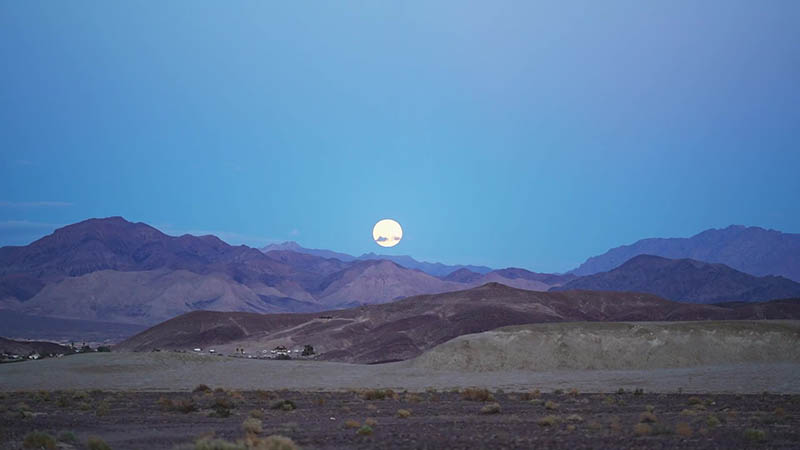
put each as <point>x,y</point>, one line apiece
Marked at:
<point>405,328</point>
<point>686,280</point>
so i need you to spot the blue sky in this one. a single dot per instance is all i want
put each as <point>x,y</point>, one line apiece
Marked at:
<point>524,134</point>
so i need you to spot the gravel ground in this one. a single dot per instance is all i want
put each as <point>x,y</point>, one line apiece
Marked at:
<point>156,420</point>
<point>168,371</point>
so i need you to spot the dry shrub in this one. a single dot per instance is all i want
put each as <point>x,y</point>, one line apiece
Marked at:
<point>530,395</point>
<point>95,443</point>
<point>712,421</point>
<point>264,395</point>
<point>284,405</point>
<point>694,401</point>
<point>615,424</point>
<point>413,398</point>
<point>779,412</point>
<point>647,417</point>
<point>102,408</point>
<point>688,412</point>
<point>756,435</point>
<point>39,440</point>
<point>642,429</point>
<point>477,395</point>
<point>548,421</point>
<point>350,423</point>
<point>370,422</point>
<point>551,405</point>
<point>252,425</point>
<point>573,392</point>
<point>491,408</point>
<point>403,413</point>
<point>257,414</point>
<point>372,407</point>
<point>201,388</point>
<point>320,401</point>
<point>378,394</point>
<point>571,427</point>
<point>366,430</point>
<point>684,429</point>
<point>165,403</point>
<point>574,418</point>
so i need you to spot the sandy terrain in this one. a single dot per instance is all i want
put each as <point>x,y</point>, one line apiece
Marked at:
<point>441,420</point>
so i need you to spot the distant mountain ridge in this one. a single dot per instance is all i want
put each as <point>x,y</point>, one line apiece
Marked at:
<point>686,280</point>
<point>435,269</point>
<point>752,250</point>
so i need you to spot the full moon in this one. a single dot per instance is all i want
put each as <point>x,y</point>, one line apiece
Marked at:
<point>387,233</point>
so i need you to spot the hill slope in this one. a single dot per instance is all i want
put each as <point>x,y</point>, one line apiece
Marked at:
<point>406,328</point>
<point>752,250</point>
<point>687,280</point>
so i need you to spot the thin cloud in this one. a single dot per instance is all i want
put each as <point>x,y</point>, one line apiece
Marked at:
<point>382,239</point>
<point>42,204</point>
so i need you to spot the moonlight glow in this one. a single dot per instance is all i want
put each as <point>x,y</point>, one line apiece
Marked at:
<point>387,233</point>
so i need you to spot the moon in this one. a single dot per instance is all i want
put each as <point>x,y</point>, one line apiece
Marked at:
<point>387,233</point>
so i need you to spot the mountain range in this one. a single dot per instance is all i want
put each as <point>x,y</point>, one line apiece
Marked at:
<point>686,280</point>
<point>752,250</point>
<point>435,269</point>
<point>115,271</point>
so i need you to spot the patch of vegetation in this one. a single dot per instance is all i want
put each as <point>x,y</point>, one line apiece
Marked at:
<point>201,388</point>
<point>252,425</point>
<point>102,408</point>
<point>574,418</point>
<point>573,392</point>
<point>366,430</point>
<point>370,422</point>
<point>84,406</point>
<point>491,408</point>
<point>413,398</point>
<point>638,391</point>
<point>477,395</point>
<point>350,423</point>
<point>95,443</point>
<point>257,414</point>
<point>755,435</point>
<point>550,405</point>
<point>217,444</point>
<point>284,405</point>
<point>558,392</point>
<point>548,421</point>
<point>68,437</point>
<point>694,401</point>
<point>403,413</point>
<point>64,401</point>
<point>642,429</point>
<point>712,421</point>
<point>683,429</point>
<point>39,440</point>
<point>531,395</point>
<point>80,395</point>
<point>647,417</point>
<point>378,394</point>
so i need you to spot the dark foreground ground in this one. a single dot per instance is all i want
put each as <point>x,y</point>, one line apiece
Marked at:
<point>326,420</point>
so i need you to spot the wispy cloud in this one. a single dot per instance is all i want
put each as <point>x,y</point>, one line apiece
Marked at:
<point>382,239</point>
<point>40,204</point>
<point>294,232</point>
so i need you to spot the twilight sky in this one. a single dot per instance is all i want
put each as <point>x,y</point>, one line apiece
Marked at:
<point>507,133</point>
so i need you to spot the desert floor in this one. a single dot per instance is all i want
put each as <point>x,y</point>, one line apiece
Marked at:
<point>169,371</point>
<point>435,419</point>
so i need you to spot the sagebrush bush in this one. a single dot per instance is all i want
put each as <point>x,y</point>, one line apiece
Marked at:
<point>403,413</point>
<point>67,437</point>
<point>95,443</point>
<point>712,421</point>
<point>366,430</point>
<point>257,413</point>
<point>370,422</point>
<point>477,395</point>
<point>753,434</point>
<point>491,408</point>
<point>647,417</point>
<point>252,425</point>
<point>574,418</point>
<point>39,440</point>
<point>378,394</point>
<point>531,395</point>
<point>642,429</point>
<point>284,405</point>
<point>548,421</point>
<point>551,405</point>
